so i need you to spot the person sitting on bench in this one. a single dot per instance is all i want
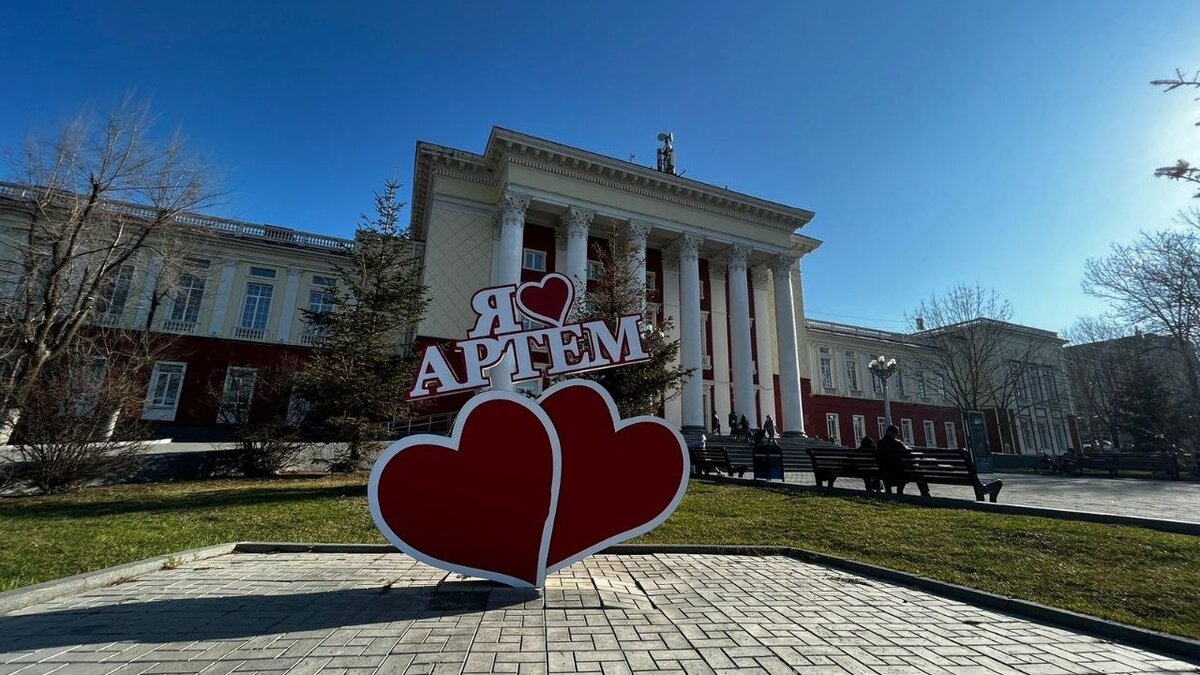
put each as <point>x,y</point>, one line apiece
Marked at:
<point>891,453</point>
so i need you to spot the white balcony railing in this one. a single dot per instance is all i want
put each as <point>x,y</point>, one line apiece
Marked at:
<point>179,327</point>
<point>310,338</point>
<point>244,333</point>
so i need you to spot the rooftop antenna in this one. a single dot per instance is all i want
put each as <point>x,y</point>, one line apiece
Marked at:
<point>666,154</point>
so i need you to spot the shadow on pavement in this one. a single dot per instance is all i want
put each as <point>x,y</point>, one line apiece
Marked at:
<point>242,616</point>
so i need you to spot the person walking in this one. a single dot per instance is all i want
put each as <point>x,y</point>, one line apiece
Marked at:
<point>769,428</point>
<point>733,425</point>
<point>744,426</point>
<point>892,453</point>
<point>716,425</point>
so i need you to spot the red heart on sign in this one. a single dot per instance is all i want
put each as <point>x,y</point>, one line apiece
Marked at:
<point>481,502</point>
<point>620,478</point>
<point>548,300</point>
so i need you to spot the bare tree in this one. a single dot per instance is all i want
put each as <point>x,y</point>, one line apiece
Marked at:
<point>1097,367</point>
<point>1154,284</point>
<point>979,357</point>
<point>266,418</point>
<point>98,205</point>
<point>1182,169</point>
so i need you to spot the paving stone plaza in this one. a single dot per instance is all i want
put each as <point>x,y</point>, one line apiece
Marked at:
<point>612,615</point>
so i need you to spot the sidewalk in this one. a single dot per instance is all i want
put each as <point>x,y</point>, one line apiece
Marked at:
<point>613,615</point>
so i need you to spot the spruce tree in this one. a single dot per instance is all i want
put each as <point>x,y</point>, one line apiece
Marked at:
<point>355,383</point>
<point>617,290</point>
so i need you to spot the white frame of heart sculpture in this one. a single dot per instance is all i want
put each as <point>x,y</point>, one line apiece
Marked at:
<point>619,424</point>
<point>451,443</point>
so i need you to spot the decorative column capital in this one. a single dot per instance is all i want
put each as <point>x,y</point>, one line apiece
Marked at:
<point>513,205</point>
<point>689,247</point>
<point>760,275</point>
<point>718,270</point>
<point>782,264</point>
<point>638,231</point>
<point>738,257</point>
<point>576,222</point>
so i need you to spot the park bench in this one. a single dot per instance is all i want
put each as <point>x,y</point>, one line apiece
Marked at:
<point>710,458</point>
<point>944,466</point>
<point>832,462</point>
<point>1114,462</point>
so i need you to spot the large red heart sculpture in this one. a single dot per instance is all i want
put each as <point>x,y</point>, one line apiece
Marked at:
<point>620,478</point>
<point>481,502</point>
<point>523,488</point>
<point>548,300</point>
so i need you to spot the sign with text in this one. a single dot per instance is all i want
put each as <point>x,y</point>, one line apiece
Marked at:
<point>524,487</point>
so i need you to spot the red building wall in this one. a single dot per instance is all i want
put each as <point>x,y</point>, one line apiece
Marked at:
<point>816,408</point>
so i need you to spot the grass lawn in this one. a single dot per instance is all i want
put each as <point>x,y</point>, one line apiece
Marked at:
<point>1128,574</point>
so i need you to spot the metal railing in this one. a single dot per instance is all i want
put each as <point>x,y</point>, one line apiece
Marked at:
<point>180,327</point>
<point>429,424</point>
<point>255,334</point>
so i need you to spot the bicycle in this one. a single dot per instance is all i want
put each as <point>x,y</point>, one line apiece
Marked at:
<point>1063,465</point>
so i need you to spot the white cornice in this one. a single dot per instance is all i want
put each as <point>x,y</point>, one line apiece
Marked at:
<point>510,147</point>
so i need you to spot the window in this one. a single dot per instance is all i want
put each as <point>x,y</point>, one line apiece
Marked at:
<point>860,428</point>
<point>922,391</point>
<point>826,367</point>
<point>115,292</point>
<point>1060,438</point>
<point>883,425</point>
<point>852,372</point>
<point>85,385</point>
<point>237,395</point>
<point>199,263</point>
<point>930,435</point>
<point>906,431</point>
<point>831,428</point>
<point>651,317</point>
<point>951,435</point>
<point>320,300</point>
<point>162,397</point>
<point>319,280</point>
<point>257,305</point>
<point>702,285</point>
<point>593,270</point>
<point>1025,424</point>
<point>534,260</point>
<point>262,272</point>
<point>1051,386</point>
<point>186,307</point>
<point>1043,428</point>
<point>650,281</point>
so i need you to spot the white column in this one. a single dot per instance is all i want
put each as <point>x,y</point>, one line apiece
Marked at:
<point>739,320</point>
<point>288,316</point>
<point>221,301</point>
<point>764,335</point>
<point>153,271</point>
<point>719,317</point>
<point>637,232</point>
<point>508,269</point>
<point>576,222</point>
<point>789,357</point>
<point>672,409</point>
<point>691,331</point>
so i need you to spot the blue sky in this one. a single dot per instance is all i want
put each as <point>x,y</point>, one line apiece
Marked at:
<point>999,143</point>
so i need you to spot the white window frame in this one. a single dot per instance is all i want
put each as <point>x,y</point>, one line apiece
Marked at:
<point>527,260</point>
<point>121,283</point>
<point>162,413</point>
<point>592,270</point>
<point>859,422</point>
<point>246,303</point>
<point>825,368</point>
<point>906,431</point>
<point>883,425</point>
<point>182,304</point>
<point>651,314</point>
<point>321,307</point>
<point>951,435</point>
<point>222,413</point>
<point>651,280</point>
<point>833,427</point>
<point>853,378</point>
<point>930,434</point>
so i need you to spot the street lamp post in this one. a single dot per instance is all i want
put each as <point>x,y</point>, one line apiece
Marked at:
<point>883,368</point>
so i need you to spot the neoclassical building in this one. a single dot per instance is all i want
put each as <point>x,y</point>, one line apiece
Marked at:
<point>723,266</point>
